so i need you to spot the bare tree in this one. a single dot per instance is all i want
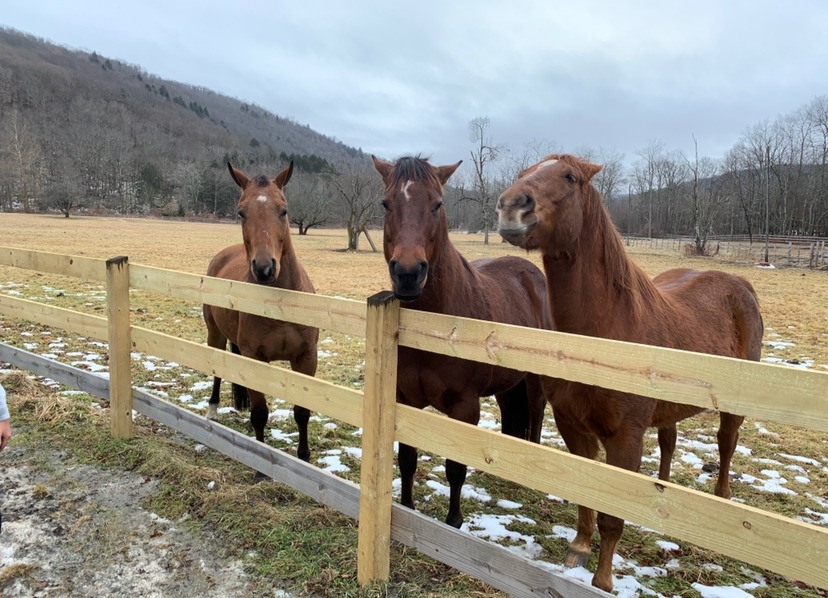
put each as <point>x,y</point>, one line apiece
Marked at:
<point>706,197</point>
<point>484,153</point>
<point>309,201</point>
<point>645,178</point>
<point>187,177</point>
<point>531,153</point>
<point>610,178</point>
<point>22,155</point>
<point>360,192</point>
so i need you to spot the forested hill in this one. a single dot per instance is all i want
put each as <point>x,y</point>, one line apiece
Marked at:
<point>110,135</point>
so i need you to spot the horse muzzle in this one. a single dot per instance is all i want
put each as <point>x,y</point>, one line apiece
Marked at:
<point>264,271</point>
<point>408,281</point>
<point>517,236</point>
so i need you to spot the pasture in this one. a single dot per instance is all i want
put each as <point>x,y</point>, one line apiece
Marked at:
<point>796,328</point>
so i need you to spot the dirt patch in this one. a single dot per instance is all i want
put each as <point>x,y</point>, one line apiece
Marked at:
<point>76,530</point>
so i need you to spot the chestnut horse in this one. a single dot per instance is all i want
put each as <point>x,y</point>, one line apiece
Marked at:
<point>595,289</point>
<point>429,274</point>
<point>266,258</point>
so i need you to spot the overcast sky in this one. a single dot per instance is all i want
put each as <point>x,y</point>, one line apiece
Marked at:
<point>396,78</point>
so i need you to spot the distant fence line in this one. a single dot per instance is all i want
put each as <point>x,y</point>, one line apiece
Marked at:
<point>760,390</point>
<point>787,250</point>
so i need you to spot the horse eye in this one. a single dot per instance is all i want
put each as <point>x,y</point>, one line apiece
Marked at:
<point>385,205</point>
<point>436,207</point>
<point>571,178</point>
<point>283,213</point>
<point>241,214</point>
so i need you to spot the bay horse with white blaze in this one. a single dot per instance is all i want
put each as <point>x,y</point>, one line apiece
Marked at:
<point>428,273</point>
<point>595,289</point>
<point>266,258</point>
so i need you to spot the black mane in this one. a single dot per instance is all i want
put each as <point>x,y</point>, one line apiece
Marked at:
<point>413,168</point>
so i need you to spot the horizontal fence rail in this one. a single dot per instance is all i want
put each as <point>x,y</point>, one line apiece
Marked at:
<point>789,396</point>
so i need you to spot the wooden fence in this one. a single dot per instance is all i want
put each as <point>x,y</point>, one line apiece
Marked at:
<point>790,250</point>
<point>765,391</point>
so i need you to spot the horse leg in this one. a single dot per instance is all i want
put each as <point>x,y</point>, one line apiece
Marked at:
<point>305,364</point>
<point>407,460</point>
<point>301,415</point>
<point>514,410</point>
<point>583,445</point>
<point>667,447</point>
<point>727,436</point>
<point>456,475</point>
<point>258,419</point>
<point>241,397</point>
<point>258,413</point>
<point>216,340</point>
<point>537,407</point>
<point>624,451</point>
<point>465,408</point>
<point>215,396</point>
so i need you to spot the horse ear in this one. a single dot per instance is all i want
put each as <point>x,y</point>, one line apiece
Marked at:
<point>283,177</point>
<point>238,176</point>
<point>590,170</point>
<point>383,167</point>
<point>444,172</point>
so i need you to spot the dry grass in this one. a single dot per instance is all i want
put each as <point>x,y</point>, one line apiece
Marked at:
<point>794,310</point>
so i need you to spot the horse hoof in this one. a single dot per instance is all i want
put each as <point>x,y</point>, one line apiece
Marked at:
<point>260,477</point>
<point>601,583</point>
<point>454,521</point>
<point>575,559</point>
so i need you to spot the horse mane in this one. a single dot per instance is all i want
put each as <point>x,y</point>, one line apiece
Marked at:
<point>261,180</point>
<point>413,168</point>
<point>629,279</point>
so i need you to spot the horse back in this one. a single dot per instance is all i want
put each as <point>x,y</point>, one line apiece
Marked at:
<point>514,290</point>
<point>720,306</point>
<point>229,263</point>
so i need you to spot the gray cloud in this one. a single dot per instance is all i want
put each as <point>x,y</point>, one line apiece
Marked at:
<point>398,78</point>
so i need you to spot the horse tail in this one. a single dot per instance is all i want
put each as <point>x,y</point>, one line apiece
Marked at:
<point>241,398</point>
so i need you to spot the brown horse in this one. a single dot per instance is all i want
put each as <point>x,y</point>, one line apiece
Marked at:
<point>596,290</point>
<point>429,274</point>
<point>266,258</point>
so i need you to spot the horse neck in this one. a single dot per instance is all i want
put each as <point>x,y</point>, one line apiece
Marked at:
<point>448,288</point>
<point>290,271</point>
<point>595,287</point>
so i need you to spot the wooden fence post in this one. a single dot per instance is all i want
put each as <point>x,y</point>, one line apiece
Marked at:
<point>120,346</point>
<point>378,424</point>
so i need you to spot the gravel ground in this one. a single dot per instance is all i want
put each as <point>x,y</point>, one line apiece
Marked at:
<point>74,530</point>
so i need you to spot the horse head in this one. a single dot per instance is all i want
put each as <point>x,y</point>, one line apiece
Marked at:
<point>415,225</point>
<point>264,218</point>
<point>546,203</point>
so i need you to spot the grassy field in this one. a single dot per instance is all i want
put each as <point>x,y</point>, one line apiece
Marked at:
<point>277,532</point>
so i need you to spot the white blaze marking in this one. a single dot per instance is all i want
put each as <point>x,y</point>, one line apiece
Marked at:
<point>262,198</point>
<point>545,164</point>
<point>405,190</point>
